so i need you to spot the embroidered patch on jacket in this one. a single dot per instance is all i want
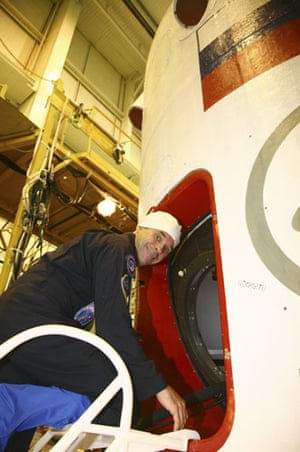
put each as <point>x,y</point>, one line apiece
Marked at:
<point>131,265</point>
<point>86,314</point>
<point>125,283</point>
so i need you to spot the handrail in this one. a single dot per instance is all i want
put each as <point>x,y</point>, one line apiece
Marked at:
<point>122,381</point>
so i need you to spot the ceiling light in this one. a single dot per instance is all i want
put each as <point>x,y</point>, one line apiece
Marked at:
<point>106,207</point>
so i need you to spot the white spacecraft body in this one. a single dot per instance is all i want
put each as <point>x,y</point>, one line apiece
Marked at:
<point>222,96</point>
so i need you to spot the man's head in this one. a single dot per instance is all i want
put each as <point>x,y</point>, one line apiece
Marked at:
<point>156,235</point>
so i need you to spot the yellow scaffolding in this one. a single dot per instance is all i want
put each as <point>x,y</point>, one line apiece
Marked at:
<point>93,163</point>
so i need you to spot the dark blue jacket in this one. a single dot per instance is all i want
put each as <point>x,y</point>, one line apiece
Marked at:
<point>96,267</point>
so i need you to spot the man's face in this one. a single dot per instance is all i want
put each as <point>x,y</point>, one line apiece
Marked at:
<point>152,246</point>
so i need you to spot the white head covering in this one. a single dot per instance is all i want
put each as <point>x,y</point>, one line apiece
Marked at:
<point>162,221</point>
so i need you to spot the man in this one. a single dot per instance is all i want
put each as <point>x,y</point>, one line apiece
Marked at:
<point>89,276</point>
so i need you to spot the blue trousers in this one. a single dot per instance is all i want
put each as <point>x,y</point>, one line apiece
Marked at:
<point>24,406</point>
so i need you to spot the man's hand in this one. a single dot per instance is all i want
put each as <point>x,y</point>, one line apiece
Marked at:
<point>175,404</point>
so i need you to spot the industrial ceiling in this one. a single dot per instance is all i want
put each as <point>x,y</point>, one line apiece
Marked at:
<point>122,31</point>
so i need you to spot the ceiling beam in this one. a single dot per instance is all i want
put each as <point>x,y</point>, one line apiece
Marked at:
<point>142,16</point>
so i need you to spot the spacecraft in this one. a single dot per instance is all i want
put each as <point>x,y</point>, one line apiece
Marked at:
<point>220,151</point>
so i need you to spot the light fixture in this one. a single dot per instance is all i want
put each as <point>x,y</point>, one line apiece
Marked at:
<point>106,207</point>
<point>76,116</point>
<point>118,154</point>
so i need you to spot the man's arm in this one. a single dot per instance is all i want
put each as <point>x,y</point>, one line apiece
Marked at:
<point>175,404</point>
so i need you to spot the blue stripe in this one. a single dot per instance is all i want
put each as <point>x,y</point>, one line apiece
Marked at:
<point>255,25</point>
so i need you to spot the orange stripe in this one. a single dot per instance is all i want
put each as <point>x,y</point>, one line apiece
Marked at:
<point>270,50</point>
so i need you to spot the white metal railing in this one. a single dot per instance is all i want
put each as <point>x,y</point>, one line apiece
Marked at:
<point>83,432</point>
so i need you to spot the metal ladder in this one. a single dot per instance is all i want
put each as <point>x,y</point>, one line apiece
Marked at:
<point>83,433</point>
